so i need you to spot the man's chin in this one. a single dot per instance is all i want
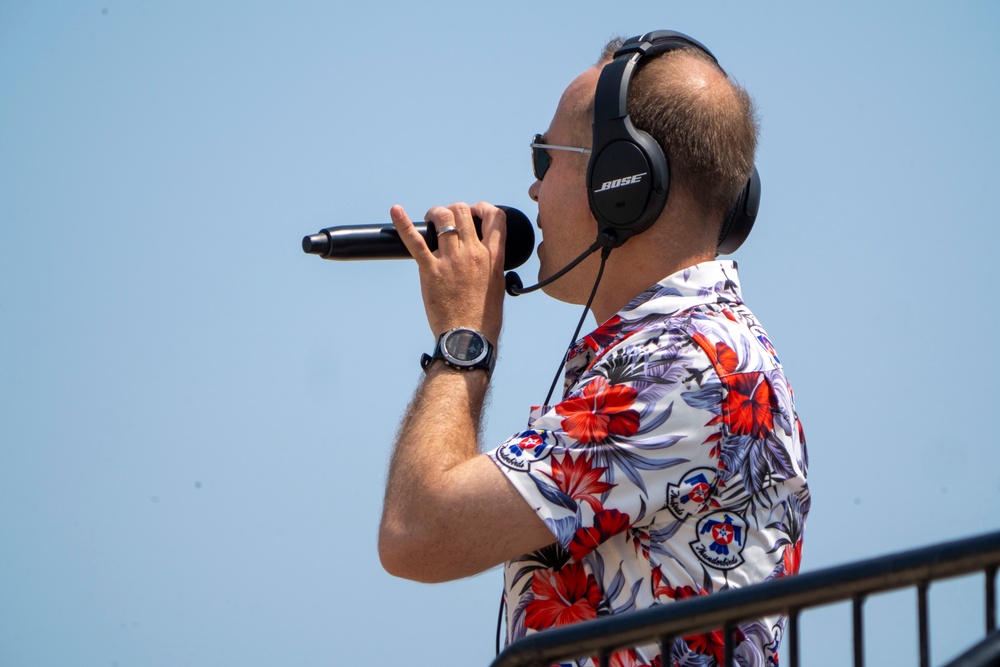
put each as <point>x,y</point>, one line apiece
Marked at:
<point>544,272</point>
<point>558,288</point>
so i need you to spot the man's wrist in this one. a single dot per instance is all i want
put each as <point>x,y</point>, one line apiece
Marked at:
<point>441,367</point>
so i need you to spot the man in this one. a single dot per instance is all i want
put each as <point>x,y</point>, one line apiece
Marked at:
<point>674,466</point>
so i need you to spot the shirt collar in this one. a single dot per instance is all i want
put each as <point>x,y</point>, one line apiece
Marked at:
<point>705,283</point>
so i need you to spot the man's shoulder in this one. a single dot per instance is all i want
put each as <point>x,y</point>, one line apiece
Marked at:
<point>731,336</point>
<point>654,343</point>
<point>716,321</point>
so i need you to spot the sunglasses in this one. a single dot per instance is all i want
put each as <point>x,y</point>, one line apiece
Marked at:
<point>540,158</point>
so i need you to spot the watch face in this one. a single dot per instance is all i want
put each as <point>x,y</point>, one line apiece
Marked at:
<point>464,345</point>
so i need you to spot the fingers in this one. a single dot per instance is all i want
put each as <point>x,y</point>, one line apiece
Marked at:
<point>453,224</point>
<point>409,235</point>
<point>456,230</point>
<point>494,228</point>
<point>448,227</point>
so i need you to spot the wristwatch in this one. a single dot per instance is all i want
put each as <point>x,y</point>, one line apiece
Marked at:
<point>464,349</point>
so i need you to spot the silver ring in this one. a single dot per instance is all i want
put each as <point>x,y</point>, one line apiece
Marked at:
<point>447,230</point>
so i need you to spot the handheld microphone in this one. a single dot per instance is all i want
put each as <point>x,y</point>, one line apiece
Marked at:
<point>381,241</point>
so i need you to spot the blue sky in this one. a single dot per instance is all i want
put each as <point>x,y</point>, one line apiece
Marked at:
<point>195,417</point>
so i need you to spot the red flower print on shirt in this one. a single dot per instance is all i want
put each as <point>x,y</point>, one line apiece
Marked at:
<point>605,334</point>
<point>714,643</point>
<point>748,405</point>
<point>721,355</point>
<point>606,524</point>
<point>679,593</point>
<point>579,480</point>
<point>640,542</point>
<point>561,598</point>
<point>709,643</point>
<point>627,658</point>
<point>601,410</point>
<point>790,559</point>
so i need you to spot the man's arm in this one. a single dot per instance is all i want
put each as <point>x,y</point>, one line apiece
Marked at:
<point>449,512</point>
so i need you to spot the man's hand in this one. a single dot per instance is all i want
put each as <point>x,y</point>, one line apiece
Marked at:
<point>462,281</point>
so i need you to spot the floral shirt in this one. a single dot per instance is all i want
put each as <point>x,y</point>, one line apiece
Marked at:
<point>675,466</point>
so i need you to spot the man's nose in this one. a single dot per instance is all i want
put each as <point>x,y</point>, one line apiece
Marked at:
<point>533,190</point>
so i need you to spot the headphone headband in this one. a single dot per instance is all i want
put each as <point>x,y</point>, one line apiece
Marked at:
<point>644,46</point>
<point>628,176</point>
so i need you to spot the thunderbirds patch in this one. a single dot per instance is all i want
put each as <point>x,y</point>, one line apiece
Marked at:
<point>721,538</point>
<point>518,454</point>
<point>690,496</point>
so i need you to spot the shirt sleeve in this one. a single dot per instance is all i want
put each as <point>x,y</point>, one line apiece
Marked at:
<point>637,435</point>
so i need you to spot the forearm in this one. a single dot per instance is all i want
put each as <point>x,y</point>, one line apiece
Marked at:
<point>438,434</point>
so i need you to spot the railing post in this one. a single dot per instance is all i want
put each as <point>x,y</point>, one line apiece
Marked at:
<point>666,650</point>
<point>793,637</point>
<point>859,631</point>
<point>991,599</point>
<point>925,642</point>
<point>729,633</point>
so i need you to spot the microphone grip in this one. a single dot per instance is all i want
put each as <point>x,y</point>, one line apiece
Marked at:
<point>370,242</point>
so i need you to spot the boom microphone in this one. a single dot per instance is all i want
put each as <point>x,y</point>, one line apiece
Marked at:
<point>381,241</point>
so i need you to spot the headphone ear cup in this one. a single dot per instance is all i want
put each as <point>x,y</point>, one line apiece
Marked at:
<point>739,220</point>
<point>627,182</point>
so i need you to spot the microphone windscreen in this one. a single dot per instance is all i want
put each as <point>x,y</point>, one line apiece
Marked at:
<point>520,238</point>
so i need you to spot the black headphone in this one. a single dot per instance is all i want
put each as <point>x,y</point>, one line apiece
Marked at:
<point>628,176</point>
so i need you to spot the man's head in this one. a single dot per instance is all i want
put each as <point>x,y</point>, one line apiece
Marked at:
<point>704,121</point>
<point>706,126</point>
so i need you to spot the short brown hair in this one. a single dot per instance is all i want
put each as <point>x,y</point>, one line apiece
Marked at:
<point>709,139</point>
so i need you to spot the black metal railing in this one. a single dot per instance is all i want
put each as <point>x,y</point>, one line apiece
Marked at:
<point>789,596</point>
<point>986,652</point>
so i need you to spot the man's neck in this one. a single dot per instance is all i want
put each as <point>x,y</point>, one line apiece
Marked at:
<point>627,276</point>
